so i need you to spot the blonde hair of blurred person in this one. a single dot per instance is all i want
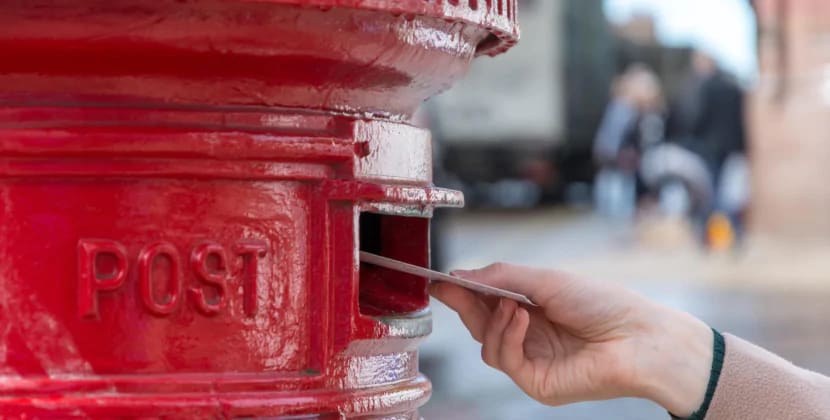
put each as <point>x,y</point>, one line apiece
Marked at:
<point>641,86</point>
<point>634,92</point>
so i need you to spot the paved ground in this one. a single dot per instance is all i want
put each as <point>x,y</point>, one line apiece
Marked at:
<point>774,296</point>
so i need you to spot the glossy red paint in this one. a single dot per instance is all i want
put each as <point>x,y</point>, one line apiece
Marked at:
<point>181,189</point>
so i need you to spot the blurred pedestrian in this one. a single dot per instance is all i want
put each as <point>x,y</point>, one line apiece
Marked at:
<point>717,129</point>
<point>633,122</point>
<point>708,120</point>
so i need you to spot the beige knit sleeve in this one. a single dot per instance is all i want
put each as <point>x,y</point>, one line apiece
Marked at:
<point>756,384</point>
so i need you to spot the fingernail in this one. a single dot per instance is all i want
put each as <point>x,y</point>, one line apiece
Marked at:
<point>459,273</point>
<point>517,314</point>
<point>513,316</point>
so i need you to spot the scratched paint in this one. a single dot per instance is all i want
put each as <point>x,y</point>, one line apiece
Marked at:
<point>181,191</point>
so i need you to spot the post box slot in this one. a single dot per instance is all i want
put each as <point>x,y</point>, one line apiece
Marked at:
<point>388,292</point>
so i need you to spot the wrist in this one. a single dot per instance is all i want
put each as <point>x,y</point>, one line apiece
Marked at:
<point>677,361</point>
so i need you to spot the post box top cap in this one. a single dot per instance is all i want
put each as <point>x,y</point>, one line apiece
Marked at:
<point>499,17</point>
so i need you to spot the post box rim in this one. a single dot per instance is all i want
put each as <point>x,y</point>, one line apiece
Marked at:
<point>499,17</point>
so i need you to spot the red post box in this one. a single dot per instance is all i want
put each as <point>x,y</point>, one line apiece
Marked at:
<point>184,187</point>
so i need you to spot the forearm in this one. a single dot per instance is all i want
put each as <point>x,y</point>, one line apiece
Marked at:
<point>750,382</point>
<point>758,384</point>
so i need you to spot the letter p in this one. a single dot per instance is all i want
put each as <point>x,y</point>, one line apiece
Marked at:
<point>102,266</point>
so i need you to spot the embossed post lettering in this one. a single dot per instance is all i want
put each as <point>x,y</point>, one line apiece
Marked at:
<point>103,265</point>
<point>250,253</point>
<point>145,277</point>
<point>214,278</point>
<point>90,280</point>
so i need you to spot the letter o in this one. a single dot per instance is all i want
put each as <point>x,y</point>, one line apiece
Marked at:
<point>145,277</point>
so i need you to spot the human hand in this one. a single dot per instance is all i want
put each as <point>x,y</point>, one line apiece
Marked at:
<point>586,341</point>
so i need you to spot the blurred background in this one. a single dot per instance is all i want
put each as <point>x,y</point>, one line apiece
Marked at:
<point>673,146</point>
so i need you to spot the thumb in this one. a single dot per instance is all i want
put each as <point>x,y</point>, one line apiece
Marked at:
<point>539,285</point>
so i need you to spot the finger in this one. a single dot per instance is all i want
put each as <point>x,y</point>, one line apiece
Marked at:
<point>538,285</point>
<point>512,357</point>
<point>472,311</point>
<point>491,349</point>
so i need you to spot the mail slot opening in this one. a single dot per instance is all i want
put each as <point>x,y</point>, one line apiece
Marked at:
<point>384,291</point>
